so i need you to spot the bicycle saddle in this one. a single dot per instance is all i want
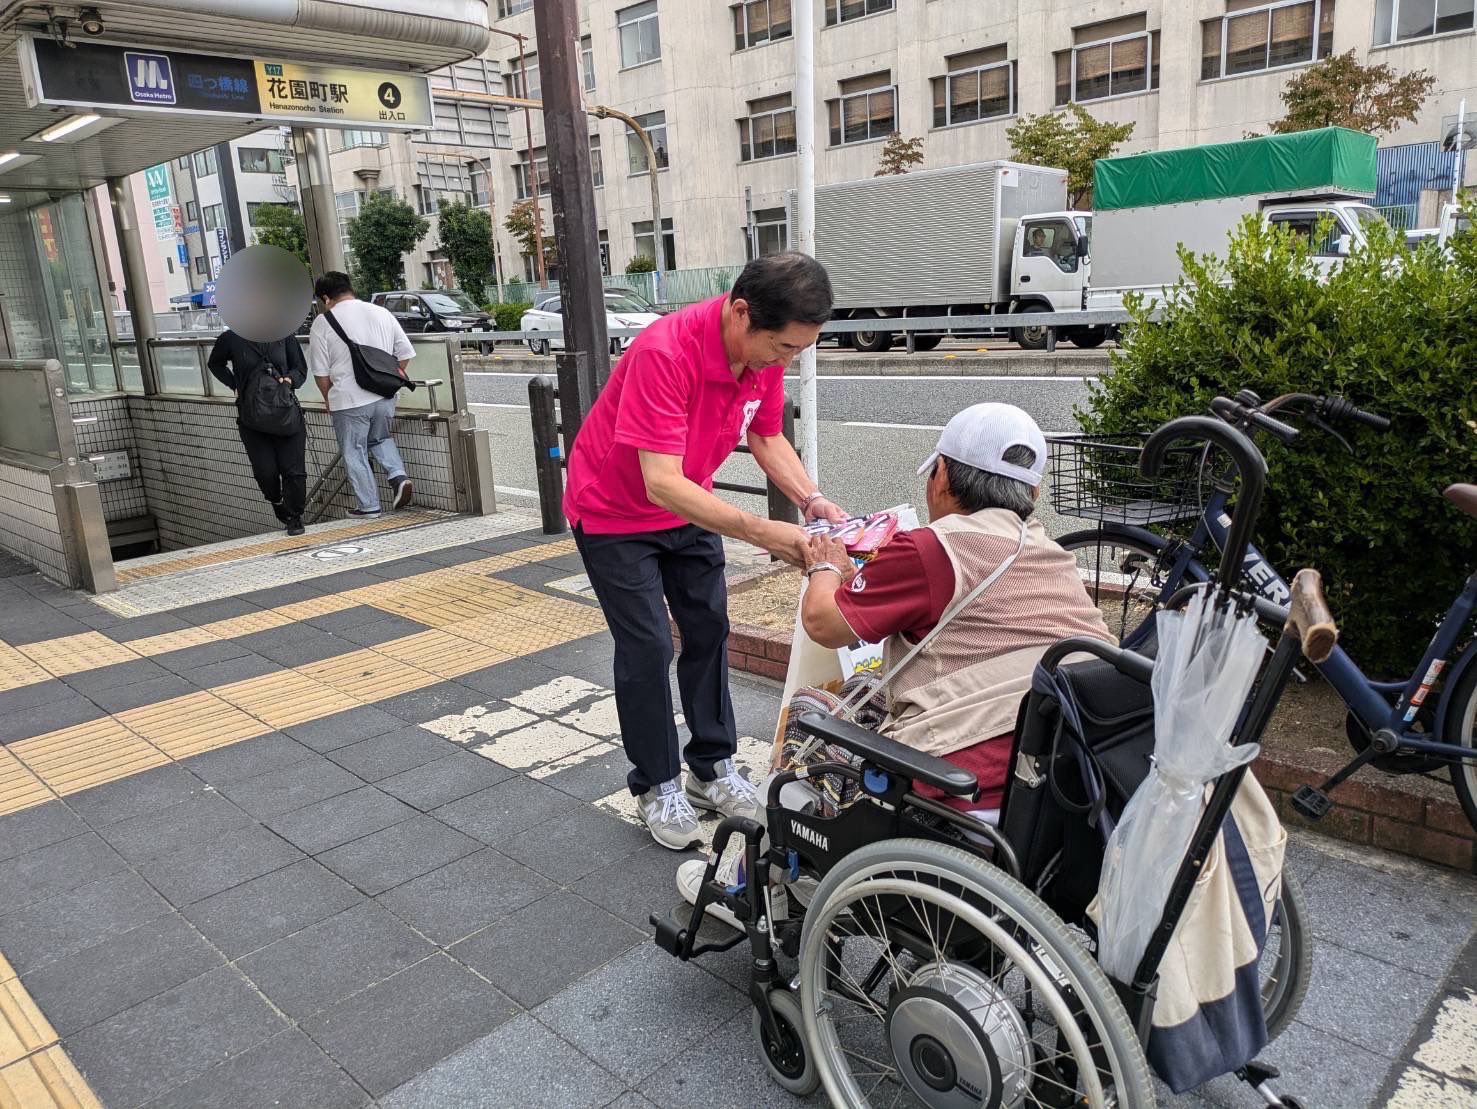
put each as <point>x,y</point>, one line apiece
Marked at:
<point>1463,496</point>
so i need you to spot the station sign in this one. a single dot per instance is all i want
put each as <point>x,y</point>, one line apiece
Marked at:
<point>143,81</point>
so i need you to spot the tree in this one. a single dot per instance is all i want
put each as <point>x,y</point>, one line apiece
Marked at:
<point>520,223</point>
<point>466,240</point>
<point>1339,92</point>
<point>282,226</point>
<point>1072,140</point>
<point>385,230</point>
<point>641,263</point>
<point>899,155</point>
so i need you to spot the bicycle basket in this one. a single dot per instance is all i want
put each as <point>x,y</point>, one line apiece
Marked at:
<point>1097,477</point>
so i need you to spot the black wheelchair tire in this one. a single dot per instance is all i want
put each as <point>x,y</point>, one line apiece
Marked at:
<point>802,1081</point>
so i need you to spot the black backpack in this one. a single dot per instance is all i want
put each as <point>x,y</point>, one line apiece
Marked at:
<point>375,370</point>
<point>266,405</point>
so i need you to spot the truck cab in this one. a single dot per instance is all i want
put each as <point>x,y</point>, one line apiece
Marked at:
<point>1346,223</point>
<point>1049,271</point>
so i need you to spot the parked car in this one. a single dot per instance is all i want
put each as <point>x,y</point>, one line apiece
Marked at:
<point>426,310</point>
<point>622,311</point>
<point>543,296</point>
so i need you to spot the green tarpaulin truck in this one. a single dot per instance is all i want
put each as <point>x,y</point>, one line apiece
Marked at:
<point>1146,205</point>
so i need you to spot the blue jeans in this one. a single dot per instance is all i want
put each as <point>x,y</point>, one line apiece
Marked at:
<point>363,432</point>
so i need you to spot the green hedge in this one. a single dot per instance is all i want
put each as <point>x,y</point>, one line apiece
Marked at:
<point>508,316</point>
<point>1395,333</point>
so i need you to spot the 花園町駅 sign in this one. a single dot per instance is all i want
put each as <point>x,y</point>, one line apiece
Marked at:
<point>137,79</point>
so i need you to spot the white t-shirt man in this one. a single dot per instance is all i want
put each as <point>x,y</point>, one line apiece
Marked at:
<point>368,325</point>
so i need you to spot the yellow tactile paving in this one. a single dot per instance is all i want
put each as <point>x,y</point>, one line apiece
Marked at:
<point>173,641</point>
<point>23,1029</point>
<point>85,755</point>
<point>17,670</point>
<point>73,654</point>
<point>44,1080</point>
<point>284,698</point>
<point>316,606</point>
<point>19,786</point>
<point>441,653</point>
<point>193,723</point>
<point>265,620</point>
<point>368,675</point>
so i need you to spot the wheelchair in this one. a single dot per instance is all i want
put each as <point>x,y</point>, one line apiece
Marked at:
<point>939,961</point>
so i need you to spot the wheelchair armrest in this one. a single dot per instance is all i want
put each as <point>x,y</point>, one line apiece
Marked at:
<point>889,754</point>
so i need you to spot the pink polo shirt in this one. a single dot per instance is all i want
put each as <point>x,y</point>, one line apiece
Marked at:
<point>672,393</point>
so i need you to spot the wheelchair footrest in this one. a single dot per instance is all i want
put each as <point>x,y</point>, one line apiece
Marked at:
<point>1311,802</point>
<point>712,934</point>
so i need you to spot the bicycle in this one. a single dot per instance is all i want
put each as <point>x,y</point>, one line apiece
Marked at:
<point>1397,726</point>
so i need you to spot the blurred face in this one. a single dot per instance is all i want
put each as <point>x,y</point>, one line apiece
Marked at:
<point>263,293</point>
<point>756,348</point>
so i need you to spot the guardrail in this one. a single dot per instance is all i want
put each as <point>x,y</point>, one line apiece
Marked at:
<point>549,461</point>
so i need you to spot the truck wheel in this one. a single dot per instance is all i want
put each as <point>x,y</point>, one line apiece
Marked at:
<point>927,342</point>
<point>1032,338</point>
<point>871,342</point>
<point>1087,337</point>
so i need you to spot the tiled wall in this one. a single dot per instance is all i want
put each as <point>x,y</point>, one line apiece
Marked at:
<point>29,527</point>
<point>124,498</point>
<point>198,481</point>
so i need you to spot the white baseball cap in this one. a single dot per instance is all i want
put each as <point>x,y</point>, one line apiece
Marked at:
<point>981,434</point>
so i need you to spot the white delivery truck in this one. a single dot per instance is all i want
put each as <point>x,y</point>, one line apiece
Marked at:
<point>1145,206</point>
<point>963,241</point>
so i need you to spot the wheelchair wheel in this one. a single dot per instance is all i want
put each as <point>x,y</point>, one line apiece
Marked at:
<point>1287,959</point>
<point>789,1062</point>
<point>930,978</point>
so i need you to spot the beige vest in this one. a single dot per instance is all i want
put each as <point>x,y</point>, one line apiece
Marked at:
<point>967,684</point>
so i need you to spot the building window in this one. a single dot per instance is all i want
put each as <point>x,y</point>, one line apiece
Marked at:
<point>259,159</point>
<point>768,234</point>
<point>523,180</point>
<point>865,110</point>
<point>1110,59</point>
<point>597,163</point>
<point>202,265</point>
<point>215,216</point>
<point>978,85</point>
<point>587,62</point>
<point>523,78</point>
<point>506,8</point>
<point>1265,37</point>
<point>1403,20</point>
<point>605,252</point>
<point>842,11</point>
<point>769,129</point>
<point>759,21</point>
<point>647,246</point>
<point>182,162</point>
<point>205,163</point>
<point>476,75</point>
<point>459,123</point>
<point>655,126</point>
<point>477,175</point>
<point>348,140</point>
<point>254,206</point>
<point>192,212</point>
<point>641,41</point>
<point>439,179</point>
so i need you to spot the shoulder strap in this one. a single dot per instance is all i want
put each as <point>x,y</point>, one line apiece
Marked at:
<point>333,323</point>
<point>868,690</point>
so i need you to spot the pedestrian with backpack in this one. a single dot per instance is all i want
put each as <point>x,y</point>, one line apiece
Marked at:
<point>265,378</point>
<point>358,353</point>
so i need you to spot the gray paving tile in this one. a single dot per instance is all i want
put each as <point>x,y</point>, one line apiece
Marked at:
<point>384,859</point>
<point>328,733</point>
<point>590,658</point>
<point>55,868</point>
<point>37,693</point>
<point>312,645</point>
<point>637,885</point>
<point>288,1071</point>
<point>139,627</point>
<point>373,632</point>
<point>500,812</point>
<point>522,1055</point>
<point>194,873</point>
<point>263,910</point>
<point>239,669</point>
<point>67,923</point>
<point>169,1039</point>
<point>287,594</point>
<point>152,790</point>
<point>37,622</point>
<point>201,655</point>
<point>325,824</point>
<point>442,781</point>
<point>594,778</point>
<point>725,1071</point>
<point>336,622</point>
<point>1417,925</point>
<point>445,1004</point>
<point>391,753</point>
<point>96,982</point>
<point>38,826</point>
<point>201,816</point>
<point>329,960</point>
<point>454,901</point>
<point>51,716</point>
<point>399,568</point>
<point>1370,994</point>
<point>453,556</point>
<point>291,787</point>
<point>421,705</point>
<point>125,697</point>
<point>247,759</point>
<point>345,580</point>
<point>1318,1068</point>
<point>577,936</point>
<point>89,682</point>
<point>639,1012</point>
<point>208,612</point>
<point>629,1100</point>
<point>574,843</point>
<point>508,678</point>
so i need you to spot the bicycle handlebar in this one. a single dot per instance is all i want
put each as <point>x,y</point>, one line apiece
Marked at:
<point>1249,464</point>
<point>1248,409</point>
<point>1234,412</point>
<point>1337,408</point>
<point>1308,617</point>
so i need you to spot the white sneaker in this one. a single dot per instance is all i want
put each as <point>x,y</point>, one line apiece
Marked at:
<point>730,873</point>
<point>729,793</point>
<point>669,816</point>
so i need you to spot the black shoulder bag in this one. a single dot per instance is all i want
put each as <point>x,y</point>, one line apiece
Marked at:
<point>264,403</point>
<point>376,370</point>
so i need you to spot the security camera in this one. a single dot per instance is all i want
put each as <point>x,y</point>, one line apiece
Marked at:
<point>92,21</point>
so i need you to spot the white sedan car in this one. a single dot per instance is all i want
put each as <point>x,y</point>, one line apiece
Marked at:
<point>621,313</point>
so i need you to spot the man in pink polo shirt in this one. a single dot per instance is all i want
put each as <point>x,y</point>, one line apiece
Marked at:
<point>640,499</point>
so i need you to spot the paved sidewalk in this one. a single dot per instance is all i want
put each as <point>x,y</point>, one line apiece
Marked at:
<point>362,837</point>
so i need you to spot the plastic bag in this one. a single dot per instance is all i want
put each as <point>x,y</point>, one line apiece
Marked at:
<point>1207,661</point>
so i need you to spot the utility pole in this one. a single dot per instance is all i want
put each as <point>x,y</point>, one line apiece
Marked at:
<point>585,363</point>
<point>533,188</point>
<point>803,16</point>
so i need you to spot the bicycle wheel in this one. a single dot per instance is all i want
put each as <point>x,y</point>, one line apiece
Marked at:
<point>1125,576</point>
<point>1287,958</point>
<point>1459,726</point>
<point>930,978</point>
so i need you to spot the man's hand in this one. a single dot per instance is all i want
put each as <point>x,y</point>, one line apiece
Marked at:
<point>823,509</point>
<point>786,542</point>
<point>827,548</point>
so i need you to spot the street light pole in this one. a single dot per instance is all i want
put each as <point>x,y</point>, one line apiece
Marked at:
<point>497,255</point>
<point>659,238</point>
<point>803,16</point>
<point>533,186</point>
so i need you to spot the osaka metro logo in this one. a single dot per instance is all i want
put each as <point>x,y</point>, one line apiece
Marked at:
<point>150,78</point>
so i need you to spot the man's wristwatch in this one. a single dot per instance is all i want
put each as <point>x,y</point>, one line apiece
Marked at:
<point>819,566</point>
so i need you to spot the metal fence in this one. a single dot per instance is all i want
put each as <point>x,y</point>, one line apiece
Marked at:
<point>674,288</point>
<point>1402,217</point>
